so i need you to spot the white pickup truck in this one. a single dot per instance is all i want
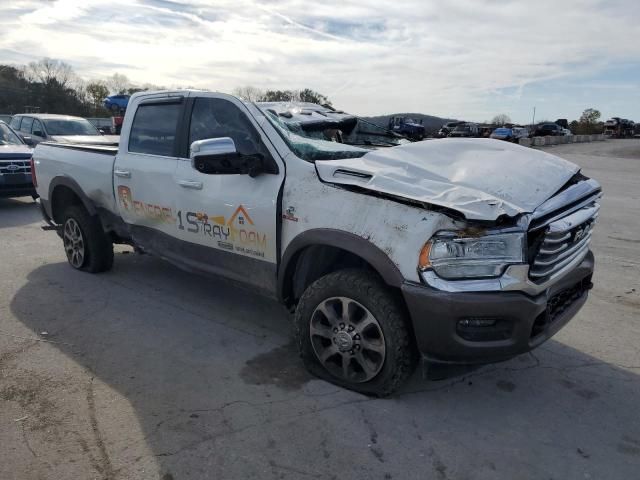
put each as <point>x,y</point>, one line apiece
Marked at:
<point>453,250</point>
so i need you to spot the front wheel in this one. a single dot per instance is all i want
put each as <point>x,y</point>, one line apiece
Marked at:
<point>352,331</point>
<point>86,245</point>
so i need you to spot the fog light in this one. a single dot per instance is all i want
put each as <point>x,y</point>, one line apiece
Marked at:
<point>477,322</point>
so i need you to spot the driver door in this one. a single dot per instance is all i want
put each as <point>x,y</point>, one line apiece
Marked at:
<point>227,218</point>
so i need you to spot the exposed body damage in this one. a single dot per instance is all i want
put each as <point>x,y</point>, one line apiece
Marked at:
<point>482,179</point>
<point>462,251</point>
<point>397,229</point>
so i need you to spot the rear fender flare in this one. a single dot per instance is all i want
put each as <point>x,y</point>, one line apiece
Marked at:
<point>70,183</point>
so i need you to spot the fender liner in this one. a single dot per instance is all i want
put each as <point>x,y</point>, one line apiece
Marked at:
<point>63,180</point>
<point>349,242</point>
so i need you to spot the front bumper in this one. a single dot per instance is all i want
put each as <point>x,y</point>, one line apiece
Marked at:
<point>456,327</point>
<point>16,185</point>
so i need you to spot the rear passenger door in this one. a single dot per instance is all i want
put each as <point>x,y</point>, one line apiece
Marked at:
<point>144,172</point>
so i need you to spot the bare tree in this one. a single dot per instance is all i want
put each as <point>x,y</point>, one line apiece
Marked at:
<point>48,70</point>
<point>249,93</point>
<point>118,83</point>
<point>501,119</point>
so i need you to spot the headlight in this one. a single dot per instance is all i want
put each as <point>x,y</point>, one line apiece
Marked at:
<point>455,257</point>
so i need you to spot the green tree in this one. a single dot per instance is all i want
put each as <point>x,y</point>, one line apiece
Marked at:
<point>311,96</point>
<point>279,96</point>
<point>96,92</point>
<point>589,121</point>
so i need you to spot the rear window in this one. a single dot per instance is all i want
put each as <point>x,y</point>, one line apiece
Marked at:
<point>15,123</point>
<point>154,129</point>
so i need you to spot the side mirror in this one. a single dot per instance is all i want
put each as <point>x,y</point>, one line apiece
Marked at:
<point>28,140</point>
<point>219,156</point>
<point>38,133</point>
<point>212,146</point>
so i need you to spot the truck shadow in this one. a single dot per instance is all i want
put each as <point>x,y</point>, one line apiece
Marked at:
<point>15,212</point>
<point>210,372</point>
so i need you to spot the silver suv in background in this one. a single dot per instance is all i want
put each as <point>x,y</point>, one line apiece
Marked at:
<point>39,127</point>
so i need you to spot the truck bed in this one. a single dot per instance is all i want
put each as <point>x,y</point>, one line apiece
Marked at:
<point>90,166</point>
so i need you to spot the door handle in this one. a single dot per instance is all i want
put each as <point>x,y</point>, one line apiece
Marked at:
<point>190,184</point>
<point>122,173</point>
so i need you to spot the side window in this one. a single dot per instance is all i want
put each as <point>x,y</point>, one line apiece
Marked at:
<point>15,123</point>
<point>216,117</point>
<point>154,129</point>
<point>25,126</point>
<point>37,129</point>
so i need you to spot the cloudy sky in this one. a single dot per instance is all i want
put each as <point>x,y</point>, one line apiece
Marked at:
<point>465,59</point>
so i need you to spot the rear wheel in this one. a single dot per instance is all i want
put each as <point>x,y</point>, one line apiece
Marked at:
<point>86,245</point>
<point>353,332</point>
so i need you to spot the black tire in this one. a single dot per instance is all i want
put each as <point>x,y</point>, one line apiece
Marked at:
<point>97,246</point>
<point>367,289</point>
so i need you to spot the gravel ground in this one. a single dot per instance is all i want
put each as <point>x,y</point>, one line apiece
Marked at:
<point>147,372</point>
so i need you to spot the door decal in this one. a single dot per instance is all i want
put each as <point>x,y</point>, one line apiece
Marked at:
<point>238,233</point>
<point>148,211</point>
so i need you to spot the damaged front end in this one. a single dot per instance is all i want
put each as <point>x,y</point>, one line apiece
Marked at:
<point>497,292</point>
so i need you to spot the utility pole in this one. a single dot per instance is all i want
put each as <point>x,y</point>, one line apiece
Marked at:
<point>533,120</point>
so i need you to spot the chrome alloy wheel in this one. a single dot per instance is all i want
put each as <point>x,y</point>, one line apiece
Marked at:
<point>347,339</point>
<point>73,243</point>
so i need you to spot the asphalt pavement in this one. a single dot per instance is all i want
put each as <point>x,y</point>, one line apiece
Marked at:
<point>148,372</point>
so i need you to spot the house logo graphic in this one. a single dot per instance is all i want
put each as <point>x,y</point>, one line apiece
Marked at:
<point>241,216</point>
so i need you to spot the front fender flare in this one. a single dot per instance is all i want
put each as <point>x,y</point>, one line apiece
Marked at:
<point>347,241</point>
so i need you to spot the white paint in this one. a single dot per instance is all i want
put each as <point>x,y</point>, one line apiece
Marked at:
<point>480,178</point>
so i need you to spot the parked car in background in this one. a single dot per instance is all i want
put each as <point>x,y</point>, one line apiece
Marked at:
<point>116,103</point>
<point>619,127</point>
<point>15,165</point>
<point>408,127</point>
<point>510,134</point>
<point>446,129</point>
<point>465,129</point>
<point>502,133</point>
<point>104,124</point>
<point>566,132</point>
<point>548,129</point>
<point>39,127</point>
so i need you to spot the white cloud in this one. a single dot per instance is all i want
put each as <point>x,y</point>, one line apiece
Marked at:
<point>369,57</point>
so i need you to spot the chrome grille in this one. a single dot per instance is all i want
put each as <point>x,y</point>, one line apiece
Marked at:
<point>565,239</point>
<point>8,167</point>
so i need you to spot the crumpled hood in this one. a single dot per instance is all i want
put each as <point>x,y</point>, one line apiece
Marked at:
<point>87,139</point>
<point>480,178</point>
